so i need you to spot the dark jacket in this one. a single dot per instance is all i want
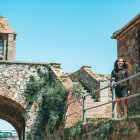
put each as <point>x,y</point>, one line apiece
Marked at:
<point>120,75</point>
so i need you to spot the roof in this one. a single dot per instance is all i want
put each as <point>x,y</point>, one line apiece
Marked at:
<point>5,26</point>
<point>129,24</point>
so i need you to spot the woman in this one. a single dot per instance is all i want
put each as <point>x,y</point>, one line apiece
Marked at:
<point>120,72</point>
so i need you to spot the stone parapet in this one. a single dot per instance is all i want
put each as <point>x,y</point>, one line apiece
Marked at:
<point>28,63</point>
<point>112,130</point>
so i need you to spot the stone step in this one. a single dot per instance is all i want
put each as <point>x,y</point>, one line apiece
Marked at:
<point>89,100</point>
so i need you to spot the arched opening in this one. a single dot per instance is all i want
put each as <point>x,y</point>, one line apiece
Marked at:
<point>7,130</point>
<point>12,112</point>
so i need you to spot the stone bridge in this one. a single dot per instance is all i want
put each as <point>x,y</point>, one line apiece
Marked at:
<point>13,102</point>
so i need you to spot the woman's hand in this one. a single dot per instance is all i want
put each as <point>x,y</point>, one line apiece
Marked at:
<point>128,93</point>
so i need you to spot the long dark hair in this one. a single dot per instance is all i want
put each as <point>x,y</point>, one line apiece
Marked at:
<point>126,65</point>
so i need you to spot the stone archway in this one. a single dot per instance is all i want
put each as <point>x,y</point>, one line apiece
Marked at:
<point>12,112</point>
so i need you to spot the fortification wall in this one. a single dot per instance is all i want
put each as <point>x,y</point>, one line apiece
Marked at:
<point>113,130</point>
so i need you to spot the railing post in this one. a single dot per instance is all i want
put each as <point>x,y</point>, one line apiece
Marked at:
<point>84,112</point>
<point>114,115</point>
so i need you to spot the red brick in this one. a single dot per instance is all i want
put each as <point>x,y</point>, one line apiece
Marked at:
<point>132,124</point>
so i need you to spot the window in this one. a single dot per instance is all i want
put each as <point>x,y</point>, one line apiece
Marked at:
<point>1,47</point>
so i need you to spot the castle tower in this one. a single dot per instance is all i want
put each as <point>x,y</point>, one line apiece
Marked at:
<point>7,40</point>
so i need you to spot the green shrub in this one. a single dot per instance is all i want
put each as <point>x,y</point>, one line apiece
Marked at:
<point>30,135</point>
<point>53,98</point>
<point>76,128</point>
<point>54,104</point>
<point>77,89</point>
<point>43,75</point>
<point>32,79</point>
<point>79,122</point>
<point>33,65</point>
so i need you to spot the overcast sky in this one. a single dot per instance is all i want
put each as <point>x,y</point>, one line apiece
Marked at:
<point>71,32</point>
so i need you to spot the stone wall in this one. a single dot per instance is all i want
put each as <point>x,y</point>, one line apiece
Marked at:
<point>11,48</point>
<point>102,111</point>
<point>71,108</point>
<point>13,103</point>
<point>125,129</point>
<point>105,94</point>
<point>128,48</point>
<point>13,79</point>
<point>113,130</point>
<point>87,78</point>
<point>15,75</point>
<point>91,82</point>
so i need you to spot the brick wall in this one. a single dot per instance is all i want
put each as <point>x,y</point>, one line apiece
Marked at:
<point>128,47</point>
<point>76,106</point>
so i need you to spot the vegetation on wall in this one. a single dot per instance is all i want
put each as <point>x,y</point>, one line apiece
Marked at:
<point>53,104</point>
<point>76,89</point>
<point>76,128</point>
<point>32,90</point>
<point>101,127</point>
<point>53,98</point>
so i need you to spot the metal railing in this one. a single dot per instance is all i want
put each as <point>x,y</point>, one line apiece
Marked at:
<point>112,86</point>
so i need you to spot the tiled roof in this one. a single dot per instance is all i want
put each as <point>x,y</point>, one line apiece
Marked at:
<point>5,26</point>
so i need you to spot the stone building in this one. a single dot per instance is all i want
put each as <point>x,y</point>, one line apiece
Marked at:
<point>128,47</point>
<point>7,40</point>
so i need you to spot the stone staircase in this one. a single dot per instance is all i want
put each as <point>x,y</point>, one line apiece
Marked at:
<point>99,112</point>
<point>89,102</point>
<point>75,80</point>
